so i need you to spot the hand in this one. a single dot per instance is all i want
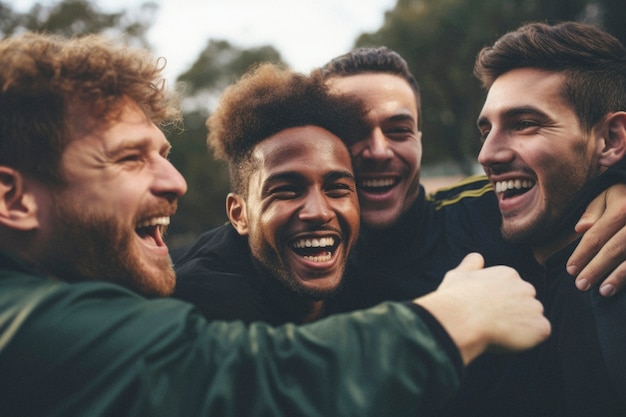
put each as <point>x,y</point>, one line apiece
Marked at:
<point>487,308</point>
<point>602,249</point>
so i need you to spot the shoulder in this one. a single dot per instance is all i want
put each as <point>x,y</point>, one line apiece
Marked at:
<point>471,189</point>
<point>219,250</point>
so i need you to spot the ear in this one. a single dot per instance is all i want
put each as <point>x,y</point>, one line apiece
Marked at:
<point>18,208</point>
<point>614,147</point>
<point>237,214</point>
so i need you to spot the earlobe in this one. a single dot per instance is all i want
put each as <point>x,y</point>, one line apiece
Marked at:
<point>17,207</point>
<point>236,210</point>
<point>614,147</point>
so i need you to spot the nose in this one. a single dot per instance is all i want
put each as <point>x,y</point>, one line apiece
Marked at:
<point>168,180</point>
<point>495,150</point>
<point>377,146</point>
<point>316,208</point>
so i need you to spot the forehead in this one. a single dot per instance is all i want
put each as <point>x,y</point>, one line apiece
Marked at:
<point>526,88</point>
<point>305,149</point>
<point>104,142</point>
<point>381,92</point>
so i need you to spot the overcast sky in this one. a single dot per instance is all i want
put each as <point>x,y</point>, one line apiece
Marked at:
<point>307,33</point>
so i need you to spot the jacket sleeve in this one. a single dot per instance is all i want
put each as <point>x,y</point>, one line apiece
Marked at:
<point>95,349</point>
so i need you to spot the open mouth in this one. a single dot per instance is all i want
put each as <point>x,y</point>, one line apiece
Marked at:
<point>316,249</point>
<point>512,188</point>
<point>378,185</point>
<point>153,230</point>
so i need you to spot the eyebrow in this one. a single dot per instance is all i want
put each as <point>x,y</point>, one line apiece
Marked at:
<point>514,112</point>
<point>142,144</point>
<point>400,117</point>
<point>294,176</point>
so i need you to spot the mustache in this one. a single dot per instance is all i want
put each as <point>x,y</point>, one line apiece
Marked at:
<point>501,169</point>
<point>160,209</point>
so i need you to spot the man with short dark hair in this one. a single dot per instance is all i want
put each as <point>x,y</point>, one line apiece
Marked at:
<point>553,123</point>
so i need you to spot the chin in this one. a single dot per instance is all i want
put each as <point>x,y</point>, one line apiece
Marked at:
<point>377,222</point>
<point>160,282</point>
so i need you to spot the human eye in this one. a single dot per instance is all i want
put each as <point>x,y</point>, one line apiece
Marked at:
<point>165,150</point>
<point>130,158</point>
<point>399,132</point>
<point>483,133</point>
<point>340,189</point>
<point>484,128</point>
<point>526,126</point>
<point>284,192</point>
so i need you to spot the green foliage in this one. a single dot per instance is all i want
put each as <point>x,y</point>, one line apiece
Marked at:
<point>204,205</point>
<point>77,17</point>
<point>221,64</point>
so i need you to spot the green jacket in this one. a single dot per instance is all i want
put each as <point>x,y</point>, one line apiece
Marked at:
<point>97,349</point>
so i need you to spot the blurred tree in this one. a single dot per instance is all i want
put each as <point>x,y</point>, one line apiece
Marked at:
<point>440,40</point>
<point>203,207</point>
<point>613,17</point>
<point>79,17</point>
<point>217,66</point>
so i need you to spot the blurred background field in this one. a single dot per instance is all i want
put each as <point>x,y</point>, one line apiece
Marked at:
<point>209,44</point>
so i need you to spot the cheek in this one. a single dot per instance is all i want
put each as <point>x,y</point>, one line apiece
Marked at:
<point>548,164</point>
<point>271,221</point>
<point>349,211</point>
<point>410,152</point>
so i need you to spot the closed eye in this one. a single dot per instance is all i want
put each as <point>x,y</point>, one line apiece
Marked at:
<point>338,190</point>
<point>285,192</point>
<point>526,124</point>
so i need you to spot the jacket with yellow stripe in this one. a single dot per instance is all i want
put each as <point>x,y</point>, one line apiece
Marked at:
<point>432,237</point>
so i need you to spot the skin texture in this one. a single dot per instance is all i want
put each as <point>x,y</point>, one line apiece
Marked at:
<point>303,190</point>
<point>387,161</point>
<point>607,240</point>
<point>533,139</point>
<point>487,308</point>
<point>116,179</point>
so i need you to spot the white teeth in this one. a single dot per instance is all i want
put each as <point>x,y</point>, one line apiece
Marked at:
<point>156,221</point>
<point>322,258</point>
<point>377,182</point>
<point>314,243</point>
<point>502,186</point>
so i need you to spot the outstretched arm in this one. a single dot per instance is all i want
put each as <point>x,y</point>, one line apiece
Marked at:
<point>491,308</point>
<point>601,252</point>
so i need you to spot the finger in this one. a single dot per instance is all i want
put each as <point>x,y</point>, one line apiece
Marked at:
<point>610,257</point>
<point>603,241</point>
<point>472,262</point>
<point>592,214</point>
<point>615,282</point>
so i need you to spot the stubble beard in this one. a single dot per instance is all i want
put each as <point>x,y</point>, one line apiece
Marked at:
<point>93,247</point>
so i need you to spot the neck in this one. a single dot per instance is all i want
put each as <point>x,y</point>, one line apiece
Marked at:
<point>316,311</point>
<point>545,251</point>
